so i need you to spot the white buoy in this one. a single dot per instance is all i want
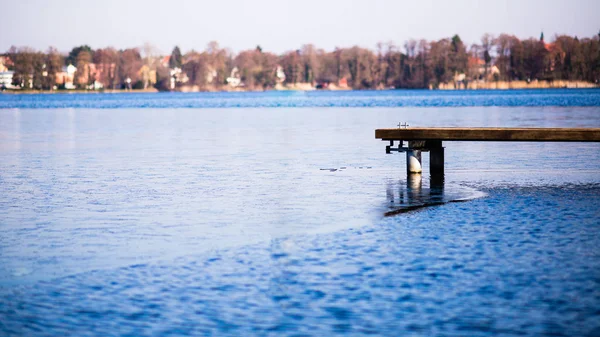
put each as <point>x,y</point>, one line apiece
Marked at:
<point>413,161</point>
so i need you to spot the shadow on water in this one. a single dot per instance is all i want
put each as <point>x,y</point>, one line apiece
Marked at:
<point>413,194</point>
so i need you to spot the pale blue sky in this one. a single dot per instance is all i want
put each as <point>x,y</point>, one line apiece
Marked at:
<point>278,25</point>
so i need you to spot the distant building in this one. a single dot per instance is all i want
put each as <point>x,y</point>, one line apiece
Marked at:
<point>234,79</point>
<point>178,76</point>
<point>89,76</point>
<point>475,62</point>
<point>165,61</point>
<point>279,74</point>
<point>147,75</point>
<point>66,77</point>
<point>103,74</point>
<point>343,82</point>
<point>553,51</point>
<point>211,74</point>
<point>5,62</point>
<point>6,79</point>
<point>478,71</point>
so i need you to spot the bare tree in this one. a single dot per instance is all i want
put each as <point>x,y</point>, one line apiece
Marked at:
<point>487,42</point>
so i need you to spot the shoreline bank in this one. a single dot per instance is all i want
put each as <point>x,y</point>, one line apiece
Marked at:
<point>516,85</point>
<point>497,85</point>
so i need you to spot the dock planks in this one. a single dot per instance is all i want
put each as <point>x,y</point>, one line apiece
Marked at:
<point>492,134</point>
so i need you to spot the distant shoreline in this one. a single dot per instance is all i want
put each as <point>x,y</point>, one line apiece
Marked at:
<point>471,86</point>
<point>34,92</point>
<point>516,85</point>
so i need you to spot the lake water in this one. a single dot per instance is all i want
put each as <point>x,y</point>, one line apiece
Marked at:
<point>264,214</point>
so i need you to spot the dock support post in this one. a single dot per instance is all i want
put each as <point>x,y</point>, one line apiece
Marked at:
<point>436,158</point>
<point>413,158</point>
<point>413,161</point>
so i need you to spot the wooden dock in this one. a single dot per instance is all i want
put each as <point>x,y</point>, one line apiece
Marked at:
<point>430,140</point>
<point>492,134</point>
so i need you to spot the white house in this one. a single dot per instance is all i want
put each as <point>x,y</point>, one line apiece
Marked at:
<point>6,79</point>
<point>178,76</point>
<point>211,74</point>
<point>234,79</point>
<point>280,74</point>
<point>67,77</point>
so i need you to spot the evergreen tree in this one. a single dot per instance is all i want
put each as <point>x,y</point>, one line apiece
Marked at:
<point>72,58</point>
<point>176,59</point>
<point>458,56</point>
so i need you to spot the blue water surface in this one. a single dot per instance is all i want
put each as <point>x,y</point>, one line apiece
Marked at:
<point>271,99</point>
<point>292,221</point>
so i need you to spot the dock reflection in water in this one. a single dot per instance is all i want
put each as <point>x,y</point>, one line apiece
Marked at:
<point>414,193</point>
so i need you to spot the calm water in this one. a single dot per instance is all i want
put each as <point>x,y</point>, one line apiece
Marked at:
<point>295,99</point>
<point>215,214</point>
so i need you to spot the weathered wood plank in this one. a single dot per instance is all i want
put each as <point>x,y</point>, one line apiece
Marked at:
<point>492,134</point>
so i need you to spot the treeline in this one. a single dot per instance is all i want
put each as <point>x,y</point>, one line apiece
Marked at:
<point>111,67</point>
<point>416,64</point>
